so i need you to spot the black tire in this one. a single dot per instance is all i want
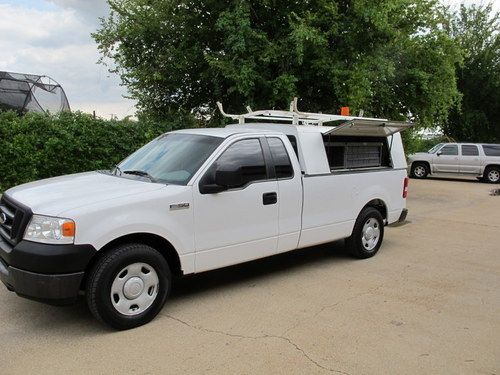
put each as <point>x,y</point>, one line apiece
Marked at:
<point>104,272</point>
<point>355,243</point>
<point>419,170</point>
<point>492,175</point>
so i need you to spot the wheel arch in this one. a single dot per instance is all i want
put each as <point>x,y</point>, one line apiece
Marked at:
<point>379,205</point>
<point>487,168</point>
<point>425,162</point>
<point>490,166</point>
<point>162,245</point>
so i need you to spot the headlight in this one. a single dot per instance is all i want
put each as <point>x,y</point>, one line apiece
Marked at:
<point>52,230</point>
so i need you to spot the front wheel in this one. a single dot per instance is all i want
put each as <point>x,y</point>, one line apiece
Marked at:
<point>128,286</point>
<point>492,175</point>
<point>367,235</point>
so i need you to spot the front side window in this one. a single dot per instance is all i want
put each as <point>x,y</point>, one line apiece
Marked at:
<point>435,148</point>
<point>245,155</point>
<point>172,158</point>
<point>449,150</point>
<point>282,163</point>
<point>469,150</point>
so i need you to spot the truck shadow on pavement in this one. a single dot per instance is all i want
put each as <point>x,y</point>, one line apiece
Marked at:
<point>259,269</point>
<point>76,319</point>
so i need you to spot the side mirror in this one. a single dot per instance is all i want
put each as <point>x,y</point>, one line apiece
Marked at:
<point>221,180</point>
<point>439,153</point>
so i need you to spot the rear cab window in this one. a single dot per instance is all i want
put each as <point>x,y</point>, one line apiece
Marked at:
<point>282,164</point>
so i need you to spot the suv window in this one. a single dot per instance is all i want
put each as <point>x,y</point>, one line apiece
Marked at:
<point>469,150</point>
<point>282,163</point>
<point>449,150</point>
<point>245,155</point>
<point>491,150</point>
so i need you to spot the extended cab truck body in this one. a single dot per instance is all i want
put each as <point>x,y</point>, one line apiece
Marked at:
<point>196,200</point>
<point>469,159</point>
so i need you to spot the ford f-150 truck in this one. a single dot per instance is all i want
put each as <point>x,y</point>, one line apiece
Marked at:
<point>200,199</point>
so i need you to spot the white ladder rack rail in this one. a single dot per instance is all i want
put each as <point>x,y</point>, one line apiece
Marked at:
<point>294,116</point>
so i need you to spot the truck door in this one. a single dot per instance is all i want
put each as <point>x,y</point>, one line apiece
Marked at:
<point>446,159</point>
<point>288,175</point>
<point>469,160</point>
<point>240,223</point>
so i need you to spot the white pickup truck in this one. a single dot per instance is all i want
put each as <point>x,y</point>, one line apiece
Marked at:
<point>468,159</point>
<point>200,199</point>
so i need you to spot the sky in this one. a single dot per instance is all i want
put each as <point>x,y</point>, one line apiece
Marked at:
<point>52,37</point>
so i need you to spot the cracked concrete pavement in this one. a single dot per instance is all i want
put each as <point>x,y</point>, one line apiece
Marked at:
<point>429,302</point>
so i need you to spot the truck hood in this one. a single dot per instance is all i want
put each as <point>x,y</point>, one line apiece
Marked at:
<point>55,195</point>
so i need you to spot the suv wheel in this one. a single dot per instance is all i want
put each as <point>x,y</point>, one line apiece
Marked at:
<point>419,170</point>
<point>367,235</point>
<point>128,286</point>
<point>492,174</point>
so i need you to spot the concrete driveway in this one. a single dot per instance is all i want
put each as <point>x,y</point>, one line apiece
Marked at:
<point>429,302</point>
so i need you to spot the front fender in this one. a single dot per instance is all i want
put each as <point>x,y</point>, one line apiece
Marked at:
<point>99,224</point>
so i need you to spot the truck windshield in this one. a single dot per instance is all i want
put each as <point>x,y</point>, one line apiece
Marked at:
<point>435,148</point>
<point>172,158</point>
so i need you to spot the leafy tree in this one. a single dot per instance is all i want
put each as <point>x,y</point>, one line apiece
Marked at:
<point>389,57</point>
<point>477,117</point>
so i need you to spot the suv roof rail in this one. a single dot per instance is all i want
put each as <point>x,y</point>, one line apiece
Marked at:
<point>294,116</point>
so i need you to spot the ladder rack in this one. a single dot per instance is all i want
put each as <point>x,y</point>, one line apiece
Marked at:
<point>294,116</point>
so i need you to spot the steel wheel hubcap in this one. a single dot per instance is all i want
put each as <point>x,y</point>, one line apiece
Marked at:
<point>370,234</point>
<point>494,176</point>
<point>419,171</point>
<point>134,289</point>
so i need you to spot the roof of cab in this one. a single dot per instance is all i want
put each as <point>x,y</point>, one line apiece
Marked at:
<point>224,132</point>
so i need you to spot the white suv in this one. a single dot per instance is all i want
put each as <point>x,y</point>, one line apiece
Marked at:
<point>479,160</point>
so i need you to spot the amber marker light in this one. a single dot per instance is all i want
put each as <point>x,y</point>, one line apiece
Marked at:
<point>68,229</point>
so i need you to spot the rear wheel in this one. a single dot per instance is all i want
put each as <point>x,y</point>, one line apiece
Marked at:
<point>492,175</point>
<point>419,170</point>
<point>128,286</point>
<point>367,235</point>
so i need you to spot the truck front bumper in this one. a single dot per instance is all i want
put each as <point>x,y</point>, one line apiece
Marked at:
<point>47,273</point>
<point>58,289</point>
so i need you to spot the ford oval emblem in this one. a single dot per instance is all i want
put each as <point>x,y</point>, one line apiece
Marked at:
<point>3,218</point>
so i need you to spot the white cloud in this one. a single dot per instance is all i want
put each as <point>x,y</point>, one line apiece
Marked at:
<point>456,3</point>
<point>56,42</point>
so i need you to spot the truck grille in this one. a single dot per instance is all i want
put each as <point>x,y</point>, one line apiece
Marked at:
<point>14,218</point>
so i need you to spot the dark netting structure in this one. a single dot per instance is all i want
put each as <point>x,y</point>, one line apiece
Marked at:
<point>31,93</point>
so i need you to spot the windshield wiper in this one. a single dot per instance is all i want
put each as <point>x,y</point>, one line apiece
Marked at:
<point>141,173</point>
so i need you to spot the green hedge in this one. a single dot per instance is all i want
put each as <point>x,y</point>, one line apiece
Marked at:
<point>37,146</point>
